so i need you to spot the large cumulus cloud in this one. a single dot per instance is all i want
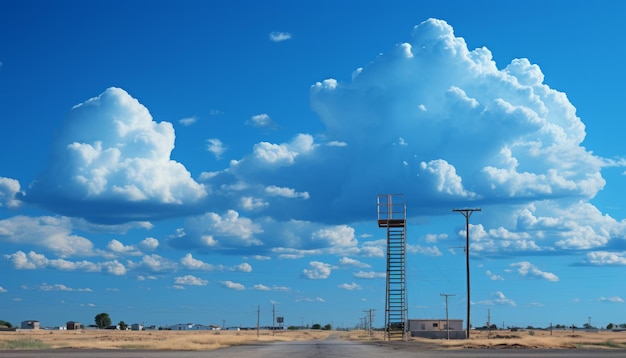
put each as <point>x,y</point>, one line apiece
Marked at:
<point>111,162</point>
<point>431,119</point>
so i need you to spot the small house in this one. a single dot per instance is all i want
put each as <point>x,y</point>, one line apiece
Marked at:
<point>31,324</point>
<point>73,326</point>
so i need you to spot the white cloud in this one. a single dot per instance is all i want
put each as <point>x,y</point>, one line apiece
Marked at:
<point>3,290</point>
<point>243,267</point>
<point>53,233</point>
<point>189,262</point>
<point>228,230</point>
<point>613,299</point>
<point>216,147</point>
<point>346,261</point>
<point>188,121</point>
<point>273,190</point>
<point>279,36</point>
<point>336,236</point>
<point>113,158</point>
<point>119,248</point>
<point>190,280</point>
<point>525,268</point>
<point>149,244</point>
<point>349,286</point>
<point>262,120</point>
<point>154,263</point>
<point>9,188</point>
<point>498,298</point>
<point>318,271</point>
<point>284,154</point>
<point>233,285</point>
<point>606,258</point>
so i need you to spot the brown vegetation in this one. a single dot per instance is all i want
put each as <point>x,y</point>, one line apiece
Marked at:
<point>152,340</point>
<point>209,340</point>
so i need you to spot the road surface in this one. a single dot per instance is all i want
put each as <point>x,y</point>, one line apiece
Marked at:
<point>326,349</point>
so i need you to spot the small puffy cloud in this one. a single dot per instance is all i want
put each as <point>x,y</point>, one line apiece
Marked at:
<point>613,299</point>
<point>273,190</point>
<point>190,280</point>
<point>214,230</point>
<point>111,163</point>
<point>527,269</point>
<point>283,154</point>
<point>318,271</point>
<point>260,287</point>
<point>186,122</point>
<point>233,285</point>
<point>189,262</point>
<point>153,263</point>
<point>350,286</point>
<point>9,188</point>
<point>262,120</point>
<point>119,248</point>
<point>276,36</point>
<point>494,277</point>
<point>498,298</point>
<point>3,290</point>
<point>149,244</point>
<point>243,267</point>
<point>601,258</point>
<point>216,147</point>
<point>336,236</point>
<point>346,261</point>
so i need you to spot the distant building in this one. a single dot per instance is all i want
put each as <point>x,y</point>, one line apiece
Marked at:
<point>32,324</point>
<point>436,328</point>
<point>193,327</point>
<point>73,326</point>
<point>136,327</point>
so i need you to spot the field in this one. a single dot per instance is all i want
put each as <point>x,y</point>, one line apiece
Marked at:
<point>209,340</point>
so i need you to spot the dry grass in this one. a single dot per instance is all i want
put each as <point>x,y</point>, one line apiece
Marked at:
<point>209,340</point>
<point>537,339</point>
<point>152,340</point>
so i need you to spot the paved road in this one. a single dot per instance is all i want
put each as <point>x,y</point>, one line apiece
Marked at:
<point>327,349</point>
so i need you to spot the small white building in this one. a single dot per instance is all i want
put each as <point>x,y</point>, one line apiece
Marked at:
<point>436,328</point>
<point>136,327</point>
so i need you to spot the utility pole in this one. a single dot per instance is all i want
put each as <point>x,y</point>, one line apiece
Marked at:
<point>467,213</point>
<point>273,319</point>
<point>447,320</point>
<point>258,319</point>
<point>369,318</point>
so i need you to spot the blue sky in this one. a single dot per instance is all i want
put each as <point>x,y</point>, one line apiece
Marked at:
<point>191,162</point>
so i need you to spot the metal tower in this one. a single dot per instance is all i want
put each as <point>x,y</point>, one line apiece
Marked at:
<point>392,215</point>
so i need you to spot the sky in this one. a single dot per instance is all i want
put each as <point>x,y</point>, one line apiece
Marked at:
<point>213,162</point>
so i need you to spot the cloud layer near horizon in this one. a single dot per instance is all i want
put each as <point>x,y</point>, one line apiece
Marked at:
<point>405,123</point>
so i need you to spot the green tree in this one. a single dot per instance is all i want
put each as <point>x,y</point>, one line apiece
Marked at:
<point>122,325</point>
<point>103,320</point>
<point>5,323</point>
<point>327,327</point>
<point>316,326</point>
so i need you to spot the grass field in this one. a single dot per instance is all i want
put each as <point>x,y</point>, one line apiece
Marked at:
<point>209,340</point>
